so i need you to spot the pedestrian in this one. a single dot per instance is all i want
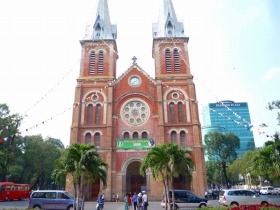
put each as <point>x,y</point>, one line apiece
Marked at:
<point>145,201</point>
<point>129,202</point>
<point>113,197</point>
<point>125,198</point>
<point>117,196</point>
<point>134,200</point>
<point>139,202</point>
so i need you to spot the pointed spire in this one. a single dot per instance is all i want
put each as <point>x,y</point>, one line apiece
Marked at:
<point>168,25</point>
<point>102,27</point>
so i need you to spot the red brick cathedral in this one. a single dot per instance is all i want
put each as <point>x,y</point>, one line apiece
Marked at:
<point>127,115</point>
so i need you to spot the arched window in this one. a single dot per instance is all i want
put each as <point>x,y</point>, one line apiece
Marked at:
<point>97,114</point>
<point>183,138</point>
<point>89,114</point>
<point>176,60</point>
<point>172,112</point>
<point>180,112</point>
<point>97,139</point>
<point>100,62</point>
<point>173,137</point>
<point>144,135</point>
<point>135,135</point>
<point>92,63</point>
<point>88,138</point>
<point>168,61</point>
<point>126,135</point>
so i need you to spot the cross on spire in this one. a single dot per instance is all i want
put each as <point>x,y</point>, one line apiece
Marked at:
<point>134,60</point>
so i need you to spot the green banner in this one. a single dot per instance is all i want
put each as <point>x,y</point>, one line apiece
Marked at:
<point>135,143</point>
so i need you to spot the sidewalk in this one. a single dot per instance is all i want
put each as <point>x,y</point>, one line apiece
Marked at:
<point>153,205</point>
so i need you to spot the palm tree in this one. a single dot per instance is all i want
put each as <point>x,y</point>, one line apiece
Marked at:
<point>166,162</point>
<point>82,161</point>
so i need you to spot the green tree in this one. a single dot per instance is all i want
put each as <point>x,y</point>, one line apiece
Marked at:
<point>166,162</point>
<point>273,106</point>
<point>37,161</point>
<point>267,162</point>
<point>9,124</point>
<point>83,163</point>
<point>221,148</point>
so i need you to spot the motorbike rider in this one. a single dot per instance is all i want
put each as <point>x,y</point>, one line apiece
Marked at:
<point>100,202</point>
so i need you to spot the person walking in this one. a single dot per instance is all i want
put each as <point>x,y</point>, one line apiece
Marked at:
<point>139,202</point>
<point>117,196</point>
<point>129,202</point>
<point>134,200</point>
<point>145,201</point>
<point>125,201</point>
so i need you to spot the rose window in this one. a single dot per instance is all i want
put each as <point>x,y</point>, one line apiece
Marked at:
<point>135,112</point>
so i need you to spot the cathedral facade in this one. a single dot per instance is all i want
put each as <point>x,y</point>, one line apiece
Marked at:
<point>127,115</point>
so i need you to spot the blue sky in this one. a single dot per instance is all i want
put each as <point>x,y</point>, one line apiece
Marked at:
<point>234,53</point>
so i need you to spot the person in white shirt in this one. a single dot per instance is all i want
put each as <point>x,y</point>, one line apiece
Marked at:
<point>145,200</point>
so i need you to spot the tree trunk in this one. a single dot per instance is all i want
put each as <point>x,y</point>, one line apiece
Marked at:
<point>224,166</point>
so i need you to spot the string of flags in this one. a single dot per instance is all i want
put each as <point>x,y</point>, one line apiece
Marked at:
<point>43,122</point>
<point>242,123</point>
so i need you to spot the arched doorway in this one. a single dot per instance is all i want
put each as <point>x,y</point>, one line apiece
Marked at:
<point>134,181</point>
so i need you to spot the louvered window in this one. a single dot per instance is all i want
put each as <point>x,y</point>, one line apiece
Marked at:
<point>89,114</point>
<point>172,112</point>
<point>176,60</point>
<point>180,111</point>
<point>97,114</point>
<point>100,62</point>
<point>92,63</point>
<point>183,138</point>
<point>173,137</point>
<point>126,135</point>
<point>168,61</point>
<point>97,139</point>
<point>88,138</point>
<point>144,135</point>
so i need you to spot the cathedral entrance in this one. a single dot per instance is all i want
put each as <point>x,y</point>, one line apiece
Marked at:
<point>134,181</point>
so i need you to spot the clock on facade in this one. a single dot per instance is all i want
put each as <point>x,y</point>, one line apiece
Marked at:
<point>134,81</point>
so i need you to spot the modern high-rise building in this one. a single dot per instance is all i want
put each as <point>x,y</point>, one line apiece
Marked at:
<point>127,115</point>
<point>229,116</point>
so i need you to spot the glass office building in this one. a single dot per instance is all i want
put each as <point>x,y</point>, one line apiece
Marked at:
<point>229,116</point>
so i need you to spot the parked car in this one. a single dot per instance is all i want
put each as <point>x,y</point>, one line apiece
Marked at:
<point>276,191</point>
<point>238,197</point>
<point>186,199</point>
<point>265,190</point>
<point>51,199</point>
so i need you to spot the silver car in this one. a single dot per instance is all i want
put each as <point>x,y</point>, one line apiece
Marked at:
<point>238,197</point>
<point>50,199</point>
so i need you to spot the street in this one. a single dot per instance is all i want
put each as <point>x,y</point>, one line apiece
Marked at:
<point>154,205</point>
<point>21,205</point>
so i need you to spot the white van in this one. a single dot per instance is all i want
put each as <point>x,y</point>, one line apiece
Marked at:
<point>51,199</point>
<point>266,190</point>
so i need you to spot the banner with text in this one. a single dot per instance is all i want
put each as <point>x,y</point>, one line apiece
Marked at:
<point>135,143</point>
